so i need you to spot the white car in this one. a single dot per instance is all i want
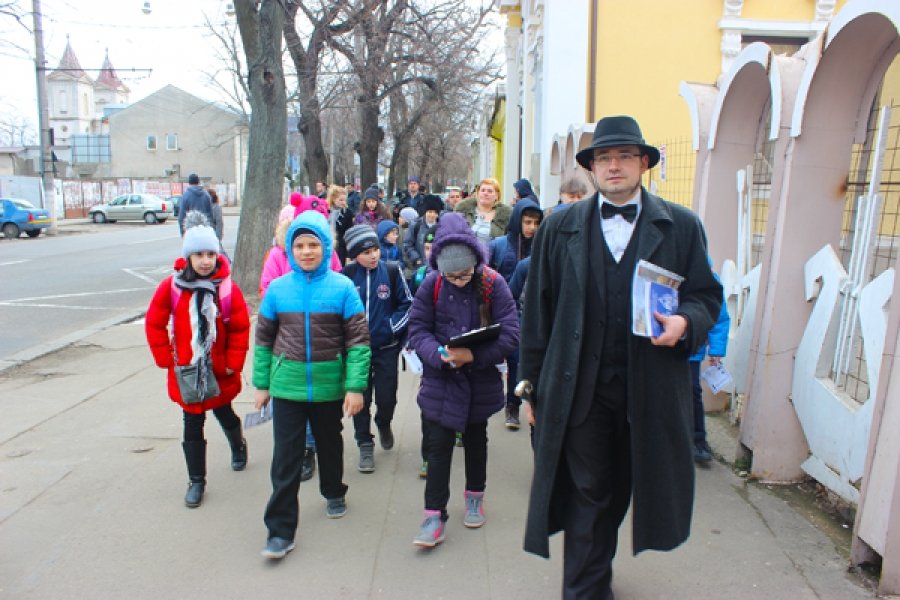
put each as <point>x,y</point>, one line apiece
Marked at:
<point>146,207</point>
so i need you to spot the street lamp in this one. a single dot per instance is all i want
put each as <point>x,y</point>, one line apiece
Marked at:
<point>146,9</point>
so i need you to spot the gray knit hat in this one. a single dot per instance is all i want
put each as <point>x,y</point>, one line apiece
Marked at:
<point>198,235</point>
<point>456,257</point>
<point>360,238</point>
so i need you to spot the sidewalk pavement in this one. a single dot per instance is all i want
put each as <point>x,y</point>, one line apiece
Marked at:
<point>92,479</point>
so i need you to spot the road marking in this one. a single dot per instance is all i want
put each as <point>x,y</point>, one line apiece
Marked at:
<point>29,305</point>
<point>81,294</point>
<point>171,237</point>
<point>139,276</point>
<point>15,262</point>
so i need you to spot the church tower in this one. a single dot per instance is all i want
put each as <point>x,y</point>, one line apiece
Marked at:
<point>71,93</point>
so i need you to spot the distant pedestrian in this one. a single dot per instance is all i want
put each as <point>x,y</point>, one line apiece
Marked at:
<point>195,198</point>
<point>414,244</point>
<point>413,197</point>
<point>314,372</point>
<point>371,210</point>
<point>524,190</point>
<point>389,240</point>
<point>353,197</point>
<point>454,197</point>
<point>487,215</point>
<point>340,219</point>
<point>217,213</point>
<point>571,190</point>
<point>321,189</point>
<point>461,387</point>
<point>210,329</point>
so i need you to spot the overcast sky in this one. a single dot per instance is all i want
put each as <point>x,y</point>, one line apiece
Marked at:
<point>173,41</point>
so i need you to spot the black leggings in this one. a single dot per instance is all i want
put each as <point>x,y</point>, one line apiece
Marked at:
<point>193,423</point>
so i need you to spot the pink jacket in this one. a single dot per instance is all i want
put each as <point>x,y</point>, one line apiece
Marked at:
<point>277,265</point>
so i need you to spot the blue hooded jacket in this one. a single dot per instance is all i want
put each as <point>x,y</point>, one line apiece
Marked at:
<point>717,342</point>
<point>524,190</point>
<point>390,252</point>
<point>506,252</point>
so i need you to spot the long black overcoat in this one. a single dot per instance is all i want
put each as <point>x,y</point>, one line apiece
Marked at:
<point>659,385</point>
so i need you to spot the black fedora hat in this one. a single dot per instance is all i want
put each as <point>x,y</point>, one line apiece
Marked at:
<point>616,131</point>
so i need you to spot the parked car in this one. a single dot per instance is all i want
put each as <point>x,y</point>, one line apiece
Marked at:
<point>147,207</point>
<point>18,215</point>
<point>176,203</point>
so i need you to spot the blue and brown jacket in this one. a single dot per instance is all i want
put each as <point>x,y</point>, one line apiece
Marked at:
<point>312,340</point>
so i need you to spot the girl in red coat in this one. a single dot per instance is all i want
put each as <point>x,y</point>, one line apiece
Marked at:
<point>210,323</point>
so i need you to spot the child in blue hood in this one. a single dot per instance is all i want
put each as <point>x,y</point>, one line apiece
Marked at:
<point>388,235</point>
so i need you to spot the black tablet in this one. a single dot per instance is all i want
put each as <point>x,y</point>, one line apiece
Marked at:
<point>475,337</point>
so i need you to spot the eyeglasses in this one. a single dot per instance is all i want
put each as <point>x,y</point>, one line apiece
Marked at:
<point>605,160</point>
<point>456,277</point>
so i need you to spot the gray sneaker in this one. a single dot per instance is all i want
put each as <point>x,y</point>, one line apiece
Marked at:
<point>432,532</point>
<point>367,458</point>
<point>277,547</point>
<point>336,508</point>
<point>474,510</point>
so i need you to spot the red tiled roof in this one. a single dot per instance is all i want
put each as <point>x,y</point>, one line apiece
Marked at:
<point>108,75</point>
<point>69,65</point>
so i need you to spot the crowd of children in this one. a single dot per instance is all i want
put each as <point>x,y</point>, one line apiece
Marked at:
<point>343,291</point>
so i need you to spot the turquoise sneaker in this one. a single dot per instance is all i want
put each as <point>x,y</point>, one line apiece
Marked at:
<point>432,532</point>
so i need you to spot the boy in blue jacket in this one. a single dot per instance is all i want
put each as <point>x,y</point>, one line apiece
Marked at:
<point>391,251</point>
<point>387,301</point>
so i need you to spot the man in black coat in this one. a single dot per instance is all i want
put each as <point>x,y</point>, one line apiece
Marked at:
<point>612,411</point>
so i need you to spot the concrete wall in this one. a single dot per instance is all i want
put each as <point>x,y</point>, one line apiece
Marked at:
<point>205,133</point>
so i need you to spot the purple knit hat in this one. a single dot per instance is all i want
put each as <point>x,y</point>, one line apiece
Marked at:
<point>454,229</point>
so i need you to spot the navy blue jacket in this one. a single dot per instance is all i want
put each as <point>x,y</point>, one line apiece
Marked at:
<point>506,252</point>
<point>390,252</point>
<point>387,310</point>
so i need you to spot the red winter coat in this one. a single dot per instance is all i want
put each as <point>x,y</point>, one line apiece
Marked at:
<point>228,351</point>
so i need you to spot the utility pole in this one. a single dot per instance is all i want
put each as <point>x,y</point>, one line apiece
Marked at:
<point>40,68</point>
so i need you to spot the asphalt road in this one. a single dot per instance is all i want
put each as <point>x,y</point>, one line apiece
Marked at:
<point>54,286</point>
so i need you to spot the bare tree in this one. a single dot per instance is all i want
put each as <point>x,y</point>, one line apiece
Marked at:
<point>229,78</point>
<point>13,21</point>
<point>261,23</point>
<point>16,129</point>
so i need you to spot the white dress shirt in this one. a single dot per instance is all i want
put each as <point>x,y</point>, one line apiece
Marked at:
<point>618,230</point>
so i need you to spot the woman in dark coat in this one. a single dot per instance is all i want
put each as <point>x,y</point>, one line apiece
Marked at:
<point>461,388</point>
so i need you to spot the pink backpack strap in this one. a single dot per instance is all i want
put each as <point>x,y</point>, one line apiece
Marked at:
<point>224,299</point>
<point>174,296</point>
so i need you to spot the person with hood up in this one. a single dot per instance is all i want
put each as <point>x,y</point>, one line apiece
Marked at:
<point>388,236</point>
<point>407,218</point>
<point>461,387</point>
<point>308,378</point>
<point>524,190</point>
<point>210,330</point>
<point>371,210</point>
<point>195,198</point>
<point>414,244</point>
<point>505,254</point>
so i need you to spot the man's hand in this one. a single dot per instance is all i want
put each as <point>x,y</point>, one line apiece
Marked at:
<point>673,329</point>
<point>459,356</point>
<point>529,412</point>
<point>261,398</point>
<point>353,403</point>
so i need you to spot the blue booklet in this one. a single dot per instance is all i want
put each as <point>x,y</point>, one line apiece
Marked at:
<point>654,290</point>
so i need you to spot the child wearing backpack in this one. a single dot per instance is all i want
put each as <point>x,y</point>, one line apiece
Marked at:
<point>210,329</point>
<point>461,387</point>
<point>311,358</point>
<point>387,301</point>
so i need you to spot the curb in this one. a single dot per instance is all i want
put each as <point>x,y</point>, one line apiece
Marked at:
<point>30,354</point>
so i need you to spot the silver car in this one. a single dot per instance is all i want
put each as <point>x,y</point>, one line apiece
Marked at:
<point>132,207</point>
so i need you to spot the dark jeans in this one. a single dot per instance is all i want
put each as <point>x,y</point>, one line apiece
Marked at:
<point>699,413</point>
<point>289,433</point>
<point>441,442</point>
<point>598,456</point>
<point>424,438</point>
<point>193,423</point>
<point>383,375</point>
<point>512,374</point>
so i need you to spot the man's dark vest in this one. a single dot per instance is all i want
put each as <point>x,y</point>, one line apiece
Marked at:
<point>604,353</point>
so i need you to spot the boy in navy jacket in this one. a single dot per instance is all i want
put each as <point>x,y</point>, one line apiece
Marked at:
<point>391,251</point>
<point>387,301</point>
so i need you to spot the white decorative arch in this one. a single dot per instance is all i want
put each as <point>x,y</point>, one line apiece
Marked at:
<point>557,152</point>
<point>852,11</point>
<point>756,53</point>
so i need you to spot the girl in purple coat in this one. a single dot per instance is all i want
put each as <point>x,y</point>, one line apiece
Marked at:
<point>461,387</point>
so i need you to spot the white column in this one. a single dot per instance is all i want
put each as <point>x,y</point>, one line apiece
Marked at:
<point>511,136</point>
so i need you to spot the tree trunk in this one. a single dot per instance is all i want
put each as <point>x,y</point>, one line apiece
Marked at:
<point>267,148</point>
<point>371,136</point>
<point>310,127</point>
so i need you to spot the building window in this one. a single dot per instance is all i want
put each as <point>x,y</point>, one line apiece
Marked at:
<point>87,109</point>
<point>151,142</point>
<point>63,108</point>
<point>171,141</point>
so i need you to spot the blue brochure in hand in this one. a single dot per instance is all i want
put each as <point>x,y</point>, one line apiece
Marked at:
<point>654,290</point>
<point>663,300</point>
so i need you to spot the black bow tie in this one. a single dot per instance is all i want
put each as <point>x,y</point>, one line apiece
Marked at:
<point>628,211</point>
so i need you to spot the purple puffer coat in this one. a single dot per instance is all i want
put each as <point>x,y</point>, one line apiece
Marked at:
<point>471,394</point>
